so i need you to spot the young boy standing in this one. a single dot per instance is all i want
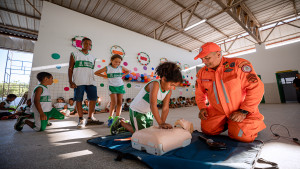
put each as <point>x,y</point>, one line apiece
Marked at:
<point>41,105</point>
<point>81,79</point>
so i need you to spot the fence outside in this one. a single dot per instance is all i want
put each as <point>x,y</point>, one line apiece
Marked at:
<point>17,89</point>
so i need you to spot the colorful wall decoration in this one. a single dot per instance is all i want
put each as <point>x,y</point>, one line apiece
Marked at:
<point>117,50</point>
<point>178,64</point>
<point>76,42</point>
<point>137,77</point>
<point>143,58</point>
<point>186,66</point>
<point>163,60</point>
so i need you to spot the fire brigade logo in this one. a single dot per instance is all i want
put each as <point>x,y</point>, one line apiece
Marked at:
<point>143,58</point>
<point>246,69</point>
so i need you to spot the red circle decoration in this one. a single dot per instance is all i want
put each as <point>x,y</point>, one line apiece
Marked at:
<point>143,58</point>
<point>66,88</point>
<point>76,42</point>
<point>117,50</point>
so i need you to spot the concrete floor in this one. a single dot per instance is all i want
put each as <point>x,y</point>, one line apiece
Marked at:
<point>64,146</point>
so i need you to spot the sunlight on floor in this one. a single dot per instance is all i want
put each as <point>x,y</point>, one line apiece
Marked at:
<point>71,135</point>
<point>62,123</point>
<point>66,143</point>
<point>75,154</point>
<point>288,152</point>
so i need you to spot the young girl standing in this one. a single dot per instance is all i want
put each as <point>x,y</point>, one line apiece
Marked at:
<point>143,108</point>
<point>115,83</point>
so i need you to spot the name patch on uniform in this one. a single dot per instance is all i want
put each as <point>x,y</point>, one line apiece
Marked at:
<point>228,70</point>
<point>246,69</point>
<point>206,80</point>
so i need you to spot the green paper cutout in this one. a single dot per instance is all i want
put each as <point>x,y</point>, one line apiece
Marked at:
<point>55,56</point>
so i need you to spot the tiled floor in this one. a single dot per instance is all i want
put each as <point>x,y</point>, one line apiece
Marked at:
<point>64,146</point>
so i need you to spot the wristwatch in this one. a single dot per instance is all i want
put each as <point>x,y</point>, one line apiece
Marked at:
<point>244,111</point>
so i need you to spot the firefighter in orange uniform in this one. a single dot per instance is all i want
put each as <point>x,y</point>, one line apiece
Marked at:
<point>234,92</point>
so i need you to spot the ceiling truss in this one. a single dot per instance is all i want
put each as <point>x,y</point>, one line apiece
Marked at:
<point>244,17</point>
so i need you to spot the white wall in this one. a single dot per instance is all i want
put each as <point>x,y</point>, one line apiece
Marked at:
<point>59,25</point>
<point>267,62</point>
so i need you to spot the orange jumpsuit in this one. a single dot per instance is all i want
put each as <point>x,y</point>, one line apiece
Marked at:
<point>232,86</point>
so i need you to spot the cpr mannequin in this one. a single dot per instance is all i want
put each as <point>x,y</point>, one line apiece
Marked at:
<point>158,141</point>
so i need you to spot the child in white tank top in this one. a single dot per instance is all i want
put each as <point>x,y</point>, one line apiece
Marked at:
<point>41,105</point>
<point>114,74</point>
<point>143,108</point>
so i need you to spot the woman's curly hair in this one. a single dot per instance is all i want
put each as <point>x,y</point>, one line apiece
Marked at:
<point>170,71</point>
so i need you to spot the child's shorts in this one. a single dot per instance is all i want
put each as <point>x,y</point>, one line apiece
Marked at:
<point>140,120</point>
<point>116,89</point>
<point>40,125</point>
<point>91,92</point>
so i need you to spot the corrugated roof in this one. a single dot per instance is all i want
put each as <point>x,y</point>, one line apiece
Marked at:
<point>21,18</point>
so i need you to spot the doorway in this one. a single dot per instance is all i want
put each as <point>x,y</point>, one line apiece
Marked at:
<point>286,89</point>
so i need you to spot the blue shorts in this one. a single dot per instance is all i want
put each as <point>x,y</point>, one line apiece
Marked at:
<point>91,92</point>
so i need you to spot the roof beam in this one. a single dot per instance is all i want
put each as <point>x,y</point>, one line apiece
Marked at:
<point>148,17</point>
<point>229,2</point>
<point>248,25</point>
<point>294,6</point>
<point>250,14</point>
<point>231,44</point>
<point>296,26</point>
<point>226,9</point>
<point>207,22</point>
<point>19,13</point>
<point>18,29</point>
<point>16,36</point>
<point>191,14</point>
<point>178,30</point>
<point>33,7</point>
<point>271,32</point>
